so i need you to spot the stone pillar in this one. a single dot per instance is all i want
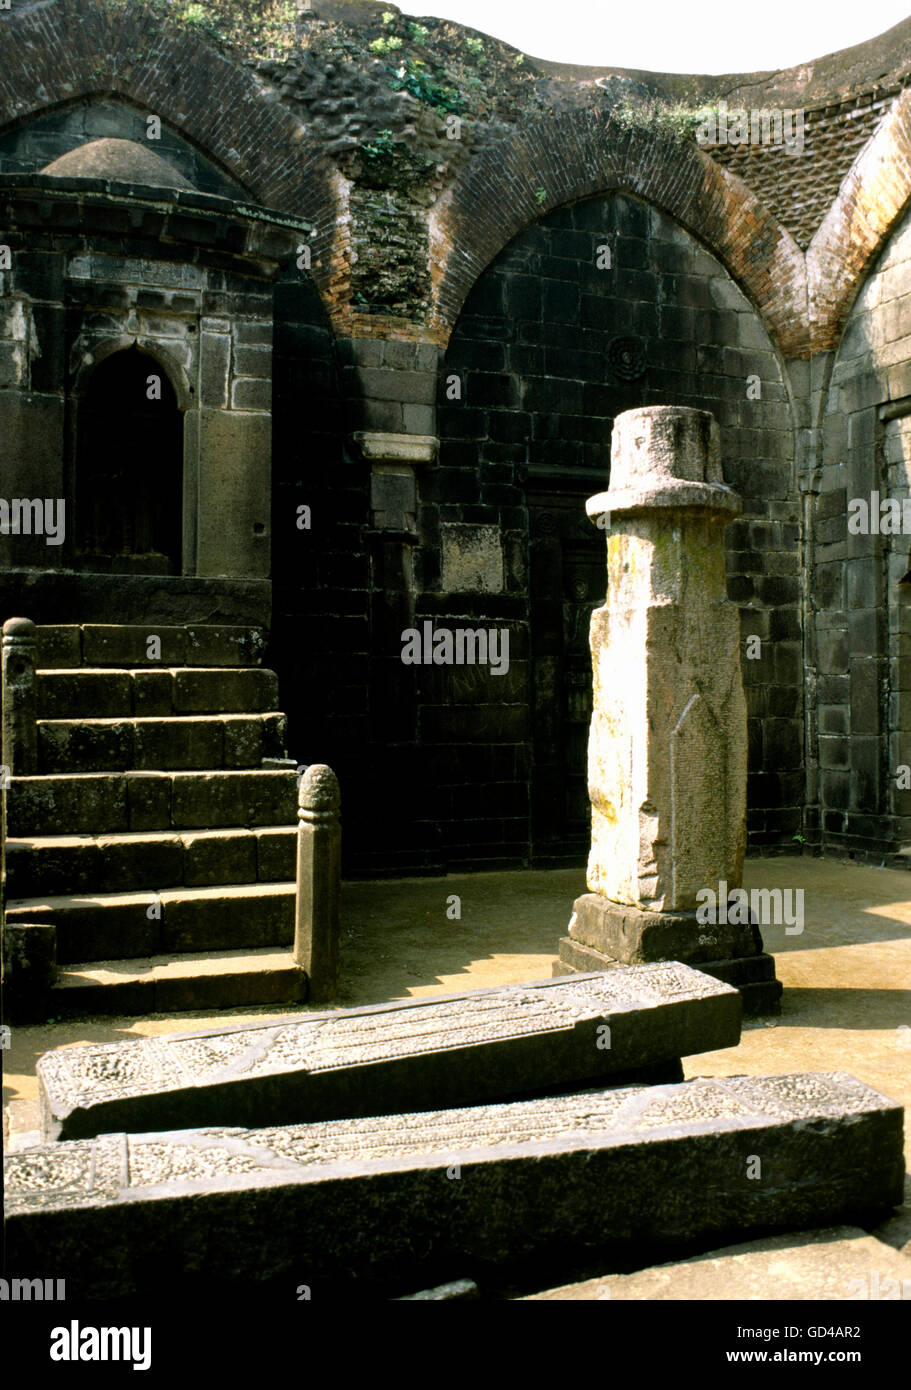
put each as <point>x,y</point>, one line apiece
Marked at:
<point>667,759</point>
<point>319,843</point>
<point>20,709</point>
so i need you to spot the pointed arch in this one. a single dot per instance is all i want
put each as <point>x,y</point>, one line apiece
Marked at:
<point>871,201</point>
<point>580,154</point>
<point>56,54</point>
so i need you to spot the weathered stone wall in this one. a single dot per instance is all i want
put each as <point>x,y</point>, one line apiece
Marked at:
<point>202,313</point>
<point>862,608</point>
<point>542,355</point>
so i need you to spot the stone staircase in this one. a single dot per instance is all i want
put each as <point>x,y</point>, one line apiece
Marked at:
<point>158,831</point>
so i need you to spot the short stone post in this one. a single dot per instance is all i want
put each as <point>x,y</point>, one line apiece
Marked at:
<point>319,844</point>
<point>20,704</point>
<point>667,759</point>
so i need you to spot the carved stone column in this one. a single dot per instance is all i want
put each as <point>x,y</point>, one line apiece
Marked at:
<point>667,758</point>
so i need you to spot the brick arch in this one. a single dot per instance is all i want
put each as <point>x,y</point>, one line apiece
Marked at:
<point>870,203</point>
<point>582,154</point>
<point>55,54</point>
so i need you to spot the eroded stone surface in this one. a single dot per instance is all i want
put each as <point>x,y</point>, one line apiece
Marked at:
<point>481,1045</point>
<point>380,1194</point>
<point>667,745</point>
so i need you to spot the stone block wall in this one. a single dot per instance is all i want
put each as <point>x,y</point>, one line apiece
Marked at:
<point>862,607</point>
<point>548,350</point>
<point>179,288</point>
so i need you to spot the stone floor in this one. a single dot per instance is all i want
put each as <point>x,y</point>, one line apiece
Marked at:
<point>847,1003</point>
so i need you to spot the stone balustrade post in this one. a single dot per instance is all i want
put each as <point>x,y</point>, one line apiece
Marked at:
<point>20,703</point>
<point>319,843</point>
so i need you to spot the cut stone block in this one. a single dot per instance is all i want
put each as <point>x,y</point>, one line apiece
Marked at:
<point>119,645</point>
<point>169,984</point>
<point>153,693</point>
<point>276,853</point>
<point>232,798</point>
<point>29,969</point>
<point>194,742</point>
<point>84,694</point>
<point>59,646</point>
<point>149,800</point>
<point>84,802</point>
<point>225,691</point>
<point>633,935</point>
<point>451,1193</point>
<point>104,926</point>
<point>481,1045</point>
<point>86,745</point>
<point>225,646</point>
<point>52,864</point>
<point>220,856</point>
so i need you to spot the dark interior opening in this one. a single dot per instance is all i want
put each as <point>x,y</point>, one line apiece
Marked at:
<point>129,469</point>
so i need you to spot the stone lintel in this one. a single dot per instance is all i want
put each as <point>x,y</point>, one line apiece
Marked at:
<point>362,1201</point>
<point>461,1049</point>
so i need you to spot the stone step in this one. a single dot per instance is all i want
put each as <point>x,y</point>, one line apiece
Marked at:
<point>101,692</point>
<point>65,864</point>
<point>379,1202</point>
<point>106,803</point>
<point>114,926</point>
<point>195,741</point>
<point>457,1049</point>
<point>95,644</point>
<point>172,983</point>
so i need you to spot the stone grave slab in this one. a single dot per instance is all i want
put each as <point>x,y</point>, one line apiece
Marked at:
<point>439,1195</point>
<point>458,1049</point>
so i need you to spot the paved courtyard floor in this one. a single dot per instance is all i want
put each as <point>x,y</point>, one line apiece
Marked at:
<point>846,1006</point>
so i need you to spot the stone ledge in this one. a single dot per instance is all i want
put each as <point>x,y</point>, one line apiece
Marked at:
<point>374,446</point>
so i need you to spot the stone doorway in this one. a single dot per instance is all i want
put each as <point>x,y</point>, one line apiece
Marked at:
<point>129,469</point>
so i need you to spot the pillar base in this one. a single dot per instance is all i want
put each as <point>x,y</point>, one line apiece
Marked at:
<point>635,936</point>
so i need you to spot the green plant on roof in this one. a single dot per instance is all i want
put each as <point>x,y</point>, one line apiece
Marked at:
<point>410,78</point>
<point>476,45</point>
<point>385,45</point>
<point>418,32</point>
<point>540,196</point>
<point>381,147</point>
<point>193,14</point>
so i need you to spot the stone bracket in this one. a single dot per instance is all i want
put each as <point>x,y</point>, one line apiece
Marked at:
<point>393,489</point>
